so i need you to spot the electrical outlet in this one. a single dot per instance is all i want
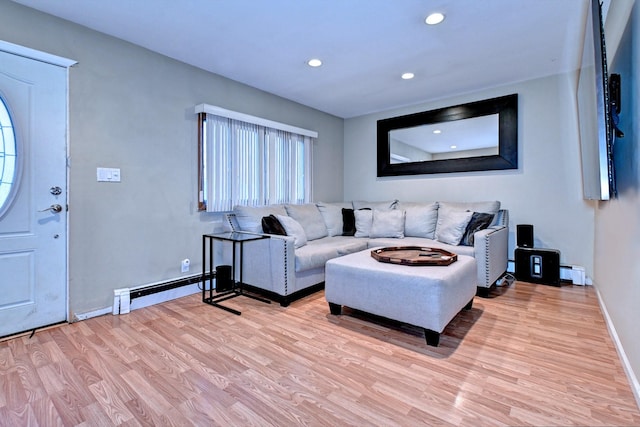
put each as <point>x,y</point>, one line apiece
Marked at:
<point>184,265</point>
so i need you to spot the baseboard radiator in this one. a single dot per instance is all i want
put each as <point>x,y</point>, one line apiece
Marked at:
<point>123,297</point>
<point>568,273</point>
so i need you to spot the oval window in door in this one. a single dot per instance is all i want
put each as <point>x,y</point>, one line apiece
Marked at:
<point>8,158</point>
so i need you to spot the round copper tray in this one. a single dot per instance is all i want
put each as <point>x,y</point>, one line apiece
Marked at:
<point>414,255</point>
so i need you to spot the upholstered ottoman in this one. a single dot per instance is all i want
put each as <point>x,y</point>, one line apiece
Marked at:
<point>425,296</point>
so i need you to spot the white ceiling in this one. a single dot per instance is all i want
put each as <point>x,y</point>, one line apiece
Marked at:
<point>365,44</point>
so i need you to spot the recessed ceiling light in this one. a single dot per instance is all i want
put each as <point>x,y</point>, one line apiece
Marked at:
<point>314,62</point>
<point>408,76</point>
<point>453,147</point>
<point>437,131</point>
<point>434,18</point>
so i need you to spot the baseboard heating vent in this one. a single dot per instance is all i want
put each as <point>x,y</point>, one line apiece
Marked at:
<point>568,273</point>
<point>123,297</point>
<point>121,301</point>
<point>165,286</point>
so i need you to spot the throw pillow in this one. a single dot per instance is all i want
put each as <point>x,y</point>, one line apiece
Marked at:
<point>479,221</point>
<point>388,224</point>
<point>294,229</point>
<point>451,226</point>
<point>271,225</point>
<point>250,217</point>
<point>348,222</point>
<point>421,219</point>
<point>332,215</point>
<point>309,218</point>
<point>364,218</point>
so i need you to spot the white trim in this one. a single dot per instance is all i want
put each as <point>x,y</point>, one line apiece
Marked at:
<point>67,174</point>
<point>89,314</point>
<point>36,54</point>
<point>223,112</point>
<point>145,301</point>
<point>631,376</point>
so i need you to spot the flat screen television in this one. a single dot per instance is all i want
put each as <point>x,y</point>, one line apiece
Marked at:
<point>594,112</point>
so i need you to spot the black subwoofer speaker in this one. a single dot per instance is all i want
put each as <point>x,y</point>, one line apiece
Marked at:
<point>224,282</point>
<point>538,265</point>
<point>525,235</point>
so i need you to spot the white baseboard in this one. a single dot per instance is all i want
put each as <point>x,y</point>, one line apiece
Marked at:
<point>633,379</point>
<point>89,314</point>
<point>141,302</point>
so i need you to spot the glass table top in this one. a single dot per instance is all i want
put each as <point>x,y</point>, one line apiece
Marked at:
<point>235,236</point>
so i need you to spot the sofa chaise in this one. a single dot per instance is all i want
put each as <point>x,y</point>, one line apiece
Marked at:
<point>286,267</point>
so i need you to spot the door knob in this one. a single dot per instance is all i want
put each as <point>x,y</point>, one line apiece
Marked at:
<point>53,208</point>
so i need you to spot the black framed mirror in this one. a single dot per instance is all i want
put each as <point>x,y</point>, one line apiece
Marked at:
<point>477,136</point>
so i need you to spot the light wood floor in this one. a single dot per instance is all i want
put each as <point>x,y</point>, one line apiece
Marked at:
<point>528,355</point>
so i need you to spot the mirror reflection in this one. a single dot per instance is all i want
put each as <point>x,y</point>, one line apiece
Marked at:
<point>477,136</point>
<point>473,137</point>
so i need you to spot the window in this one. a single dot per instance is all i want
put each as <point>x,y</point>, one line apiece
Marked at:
<point>8,157</point>
<point>249,161</point>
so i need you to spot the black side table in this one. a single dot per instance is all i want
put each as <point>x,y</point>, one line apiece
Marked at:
<point>236,239</point>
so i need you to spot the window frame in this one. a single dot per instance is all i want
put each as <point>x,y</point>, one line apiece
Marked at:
<point>6,203</point>
<point>203,109</point>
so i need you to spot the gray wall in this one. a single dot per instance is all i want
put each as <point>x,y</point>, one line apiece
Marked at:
<point>546,189</point>
<point>617,222</point>
<point>133,109</point>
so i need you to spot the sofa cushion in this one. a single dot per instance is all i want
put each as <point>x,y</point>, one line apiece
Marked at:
<point>271,225</point>
<point>317,252</point>
<point>451,225</point>
<point>310,218</point>
<point>348,222</point>
<point>387,224</point>
<point>250,217</point>
<point>421,219</point>
<point>364,218</point>
<point>309,257</point>
<point>293,229</point>
<point>351,246</point>
<point>479,221</point>
<point>332,215</point>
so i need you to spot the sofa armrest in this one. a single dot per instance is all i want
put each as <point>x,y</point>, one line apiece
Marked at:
<point>270,263</point>
<point>501,218</point>
<point>491,253</point>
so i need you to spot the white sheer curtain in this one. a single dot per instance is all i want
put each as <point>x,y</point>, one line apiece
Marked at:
<point>252,165</point>
<point>290,167</point>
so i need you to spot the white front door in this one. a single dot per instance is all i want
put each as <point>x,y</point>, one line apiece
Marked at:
<point>33,194</point>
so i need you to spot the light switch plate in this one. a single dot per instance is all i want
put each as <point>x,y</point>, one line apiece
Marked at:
<point>108,174</point>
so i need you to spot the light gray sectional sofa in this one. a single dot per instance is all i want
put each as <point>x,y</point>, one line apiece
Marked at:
<point>286,267</point>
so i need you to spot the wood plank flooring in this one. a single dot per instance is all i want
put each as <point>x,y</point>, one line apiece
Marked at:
<point>527,355</point>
